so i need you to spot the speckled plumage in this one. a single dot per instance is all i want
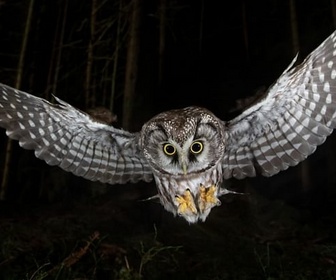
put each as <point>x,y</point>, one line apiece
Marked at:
<point>189,151</point>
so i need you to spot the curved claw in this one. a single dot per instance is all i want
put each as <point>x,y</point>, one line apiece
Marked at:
<point>186,203</point>
<point>208,198</point>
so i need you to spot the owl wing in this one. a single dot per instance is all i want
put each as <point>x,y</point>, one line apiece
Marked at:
<point>297,114</point>
<point>64,136</point>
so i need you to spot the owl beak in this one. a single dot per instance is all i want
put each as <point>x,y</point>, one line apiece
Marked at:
<point>184,168</point>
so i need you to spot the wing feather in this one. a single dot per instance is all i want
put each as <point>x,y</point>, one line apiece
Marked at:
<point>64,136</point>
<point>297,114</point>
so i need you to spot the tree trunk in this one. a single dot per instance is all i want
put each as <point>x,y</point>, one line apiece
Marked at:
<point>304,167</point>
<point>116,59</point>
<point>89,64</point>
<point>56,54</point>
<point>131,63</point>
<point>8,154</point>
<point>294,27</point>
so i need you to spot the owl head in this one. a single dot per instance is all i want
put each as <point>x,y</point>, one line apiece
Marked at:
<point>184,147</point>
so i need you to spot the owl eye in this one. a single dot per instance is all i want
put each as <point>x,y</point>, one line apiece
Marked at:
<point>169,149</point>
<point>196,147</point>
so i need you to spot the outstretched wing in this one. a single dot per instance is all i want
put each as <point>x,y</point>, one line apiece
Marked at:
<point>296,116</point>
<point>64,136</point>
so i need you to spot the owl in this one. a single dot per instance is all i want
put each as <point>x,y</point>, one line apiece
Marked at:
<point>189,152</point>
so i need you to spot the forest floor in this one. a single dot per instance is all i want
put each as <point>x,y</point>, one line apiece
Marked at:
<point>114,236</point>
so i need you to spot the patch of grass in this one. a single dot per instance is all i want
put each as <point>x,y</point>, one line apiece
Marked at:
<point>94,258</point>
<point>98,240</point>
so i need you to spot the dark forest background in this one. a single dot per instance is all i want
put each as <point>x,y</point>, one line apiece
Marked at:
<point>124,61</point>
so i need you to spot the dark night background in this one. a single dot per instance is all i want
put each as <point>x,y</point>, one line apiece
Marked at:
<point>213,53</point>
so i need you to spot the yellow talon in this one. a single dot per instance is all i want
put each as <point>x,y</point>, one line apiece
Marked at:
<point>186,203</point>
<point>207,196</point>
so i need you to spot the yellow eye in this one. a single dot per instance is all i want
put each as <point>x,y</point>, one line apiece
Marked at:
<point>196,147</point>
<point>169,149</point>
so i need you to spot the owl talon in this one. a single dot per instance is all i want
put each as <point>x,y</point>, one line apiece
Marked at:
<point>208,198</point>
<point>186,203</point>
